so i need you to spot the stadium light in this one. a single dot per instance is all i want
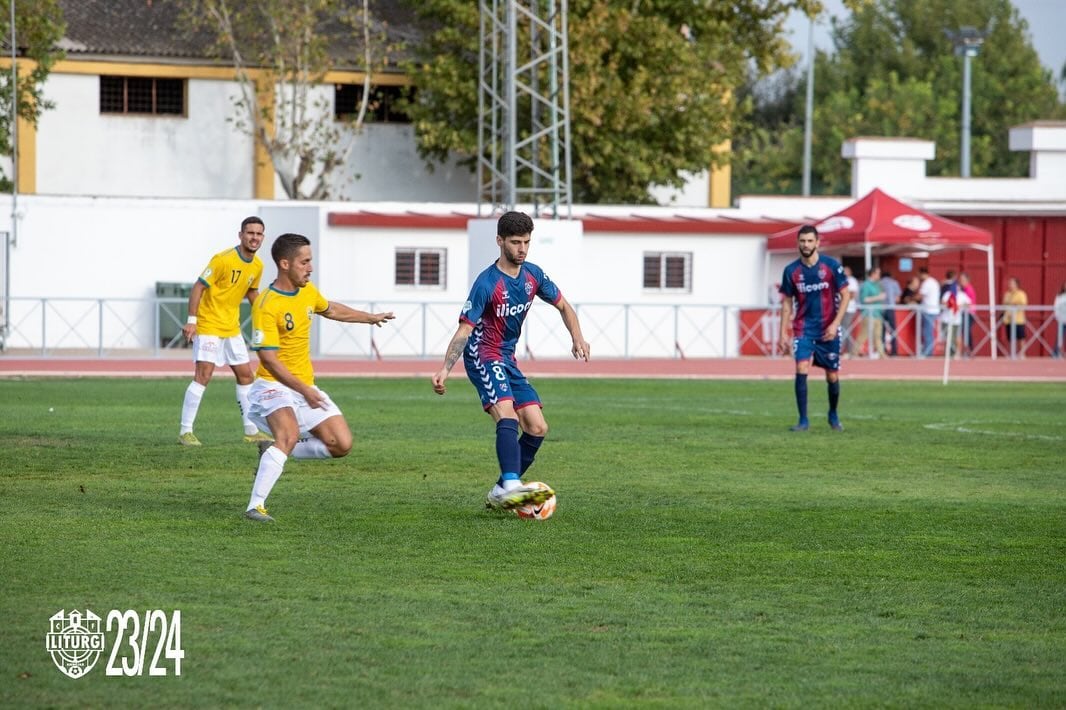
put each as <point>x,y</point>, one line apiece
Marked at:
<point>967,41</point>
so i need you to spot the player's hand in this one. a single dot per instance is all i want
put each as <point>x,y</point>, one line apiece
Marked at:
<point>785,345</point>
<point>189,331</point>
<point>830,332</point>
<point>315,399</point>
<point>379,318</point>
<point>438,382</point>
<point>580,350</point>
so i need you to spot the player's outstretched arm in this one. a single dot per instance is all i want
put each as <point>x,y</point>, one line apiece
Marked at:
<point>347,314</point>
<point>197,292</point>
<point>580,348</point>
<point>451,356</point>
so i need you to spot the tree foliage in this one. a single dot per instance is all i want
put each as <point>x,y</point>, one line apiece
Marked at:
<point>38,29</point>
<point>282,51</point>
<point>894,73</point>
<point>651,85</point>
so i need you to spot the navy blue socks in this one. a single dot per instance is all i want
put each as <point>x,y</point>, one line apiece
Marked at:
<point>801,396</point>
<point>507,449</point>
<point>529,444</point>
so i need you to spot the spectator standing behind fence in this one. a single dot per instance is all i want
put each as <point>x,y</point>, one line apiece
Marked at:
<point>910,295</point>
<point>956,306</point>
<point>929,295</point>
<point>214,327</point>
<point>968,318</point>
<point>1014,302</point>
<point>872,297</point>
<point>892,293</point>
<point>1060,319</point>
<point>850,312</point>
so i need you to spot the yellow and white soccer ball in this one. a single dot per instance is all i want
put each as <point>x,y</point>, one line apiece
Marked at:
<point>537,511</point>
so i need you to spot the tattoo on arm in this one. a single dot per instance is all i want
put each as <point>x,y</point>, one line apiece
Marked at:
<point>455,351</point>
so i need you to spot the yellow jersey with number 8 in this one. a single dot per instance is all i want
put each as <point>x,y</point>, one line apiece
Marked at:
<point>281,320</point>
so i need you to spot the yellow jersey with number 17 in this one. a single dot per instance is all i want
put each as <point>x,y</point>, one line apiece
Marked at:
<point>228,278</point>
<point>281,320</point>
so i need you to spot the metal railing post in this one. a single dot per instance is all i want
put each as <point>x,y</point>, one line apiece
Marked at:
<point>44,326</point>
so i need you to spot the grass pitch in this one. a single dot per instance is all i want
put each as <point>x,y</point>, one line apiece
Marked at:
<point>701,555</point>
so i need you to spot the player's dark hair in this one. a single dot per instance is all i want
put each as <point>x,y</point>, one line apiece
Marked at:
<point>808,229</point>
<point>286,246</point>
<point>252,220</point>
<point>514,224</point>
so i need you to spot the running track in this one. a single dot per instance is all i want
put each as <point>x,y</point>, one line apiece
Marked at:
<point>977,369</point>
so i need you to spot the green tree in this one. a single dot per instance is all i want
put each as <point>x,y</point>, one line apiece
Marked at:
<point>894,73</point>
<point>282,51</point>
<point>651,85</point>
<point>38,29</point>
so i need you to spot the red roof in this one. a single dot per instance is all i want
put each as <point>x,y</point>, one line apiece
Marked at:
<point>666,225</point>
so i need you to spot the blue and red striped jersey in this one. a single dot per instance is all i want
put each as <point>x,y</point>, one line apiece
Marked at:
<point>816,292</point>
<point>497,306</point>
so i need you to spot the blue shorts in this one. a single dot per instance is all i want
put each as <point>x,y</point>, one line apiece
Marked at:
<point>499,380</point>
<point>826,353</point>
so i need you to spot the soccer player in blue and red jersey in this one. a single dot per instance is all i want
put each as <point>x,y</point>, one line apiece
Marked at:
<point>489,326</point>
<point>818,288</point>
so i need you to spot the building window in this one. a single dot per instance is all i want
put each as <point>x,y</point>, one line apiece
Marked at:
<point>383,107</point>
<point>420,267</point>
<point>665,271</point>
<point>137,94</point>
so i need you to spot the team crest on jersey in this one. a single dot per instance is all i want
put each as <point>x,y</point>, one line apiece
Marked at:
<point>529,288</point>
<point>75,641</point>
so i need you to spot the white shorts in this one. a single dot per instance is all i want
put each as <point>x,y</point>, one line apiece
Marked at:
<point>220,351</point>
<point>267,397</point>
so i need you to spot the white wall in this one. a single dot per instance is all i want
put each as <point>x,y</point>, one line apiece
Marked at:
<point>85,255</point>
<point>83,152</point>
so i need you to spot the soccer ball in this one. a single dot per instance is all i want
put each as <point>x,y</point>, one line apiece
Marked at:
<point>541,511</point>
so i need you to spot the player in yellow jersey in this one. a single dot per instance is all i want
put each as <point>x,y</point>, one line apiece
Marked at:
<point>305,422</point>
<point>215,330</point>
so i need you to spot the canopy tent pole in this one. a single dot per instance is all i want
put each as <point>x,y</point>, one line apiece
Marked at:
<point>991,302</point>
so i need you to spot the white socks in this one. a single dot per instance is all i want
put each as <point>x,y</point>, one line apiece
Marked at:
<point>193,394</point>
<point>271,464</point>
<point>310,448</point>
<point>242,402</point>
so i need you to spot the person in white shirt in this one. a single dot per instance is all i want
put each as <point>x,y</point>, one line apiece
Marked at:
<point>929,290</point>
<point>956,305</point>
<point>851,311</point>
<point>1060,317</point>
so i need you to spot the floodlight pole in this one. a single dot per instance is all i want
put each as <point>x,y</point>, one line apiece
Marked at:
<point>967,41</point>
<point>965,150</point>
<point>808,120</point>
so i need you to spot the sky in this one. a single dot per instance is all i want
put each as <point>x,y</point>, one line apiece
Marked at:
<point>1046,18</point>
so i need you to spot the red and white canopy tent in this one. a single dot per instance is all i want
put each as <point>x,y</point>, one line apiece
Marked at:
<point>880,224</point>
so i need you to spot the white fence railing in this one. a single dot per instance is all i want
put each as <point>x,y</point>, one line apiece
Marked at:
<point>126,327</point>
